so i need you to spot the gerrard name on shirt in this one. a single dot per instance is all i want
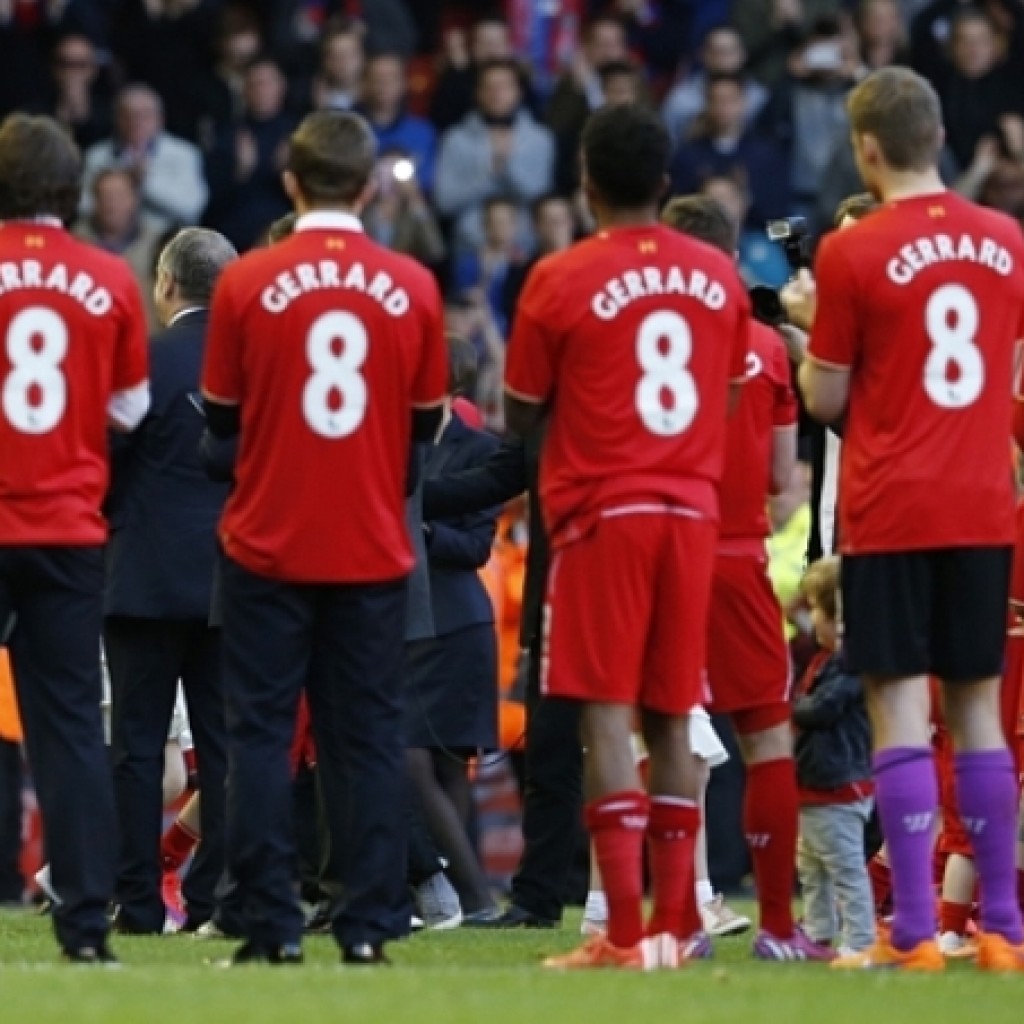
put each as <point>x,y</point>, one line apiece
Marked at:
<point>312,277</point>
<point>623,289</point>
<point>923,252</point>
<point>18,274</point>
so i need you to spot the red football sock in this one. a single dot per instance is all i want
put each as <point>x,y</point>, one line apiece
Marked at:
<point>770,811</point>
<point>671,838</point>
<point>177,845</point>
<point>953,917</point>
<point>617,824</point>
<point>881,885</point>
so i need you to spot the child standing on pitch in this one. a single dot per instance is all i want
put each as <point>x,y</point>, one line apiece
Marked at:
<point>833,764</point>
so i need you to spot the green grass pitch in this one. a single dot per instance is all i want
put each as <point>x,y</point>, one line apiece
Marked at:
<point>470,977</point>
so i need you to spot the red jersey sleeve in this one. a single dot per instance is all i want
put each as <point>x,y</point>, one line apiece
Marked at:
<point>741,342</point>
<point>786,411</point>
<point>222,363</point>
<point>835,335</point>
<point>131,358</point>
<point>532,359</point>
<point>431,383</point>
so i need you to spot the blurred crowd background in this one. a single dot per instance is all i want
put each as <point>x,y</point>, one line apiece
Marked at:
<point>183,109</point>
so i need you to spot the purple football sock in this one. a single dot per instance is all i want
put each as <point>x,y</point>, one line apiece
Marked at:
<point>907,794</point>
<point>987,799</point>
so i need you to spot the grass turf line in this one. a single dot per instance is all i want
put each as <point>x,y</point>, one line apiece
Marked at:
<point>469,977</point>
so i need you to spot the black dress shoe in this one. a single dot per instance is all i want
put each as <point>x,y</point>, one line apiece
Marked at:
<point>254,953</point>
<point>513,917</point>
<point>124,926</point>
<point>364,954</point>
<point>92,956</point>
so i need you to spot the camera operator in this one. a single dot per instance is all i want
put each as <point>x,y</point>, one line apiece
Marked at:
<point>798,300</point>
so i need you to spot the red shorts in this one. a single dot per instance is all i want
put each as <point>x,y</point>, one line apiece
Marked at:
<point>748,661</point>
<point>626,615</point>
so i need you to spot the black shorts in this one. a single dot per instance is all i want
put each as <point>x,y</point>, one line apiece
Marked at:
<point>938,612</point>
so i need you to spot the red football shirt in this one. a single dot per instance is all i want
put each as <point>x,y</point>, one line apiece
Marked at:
<point>633,335</point>
<point>72,332</point>
<point>328,341</point>
<point>767,401</point>
<point>923,301</point>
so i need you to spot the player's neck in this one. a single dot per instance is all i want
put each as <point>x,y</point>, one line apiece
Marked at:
<point>641,218</point>
<point>909,184</point>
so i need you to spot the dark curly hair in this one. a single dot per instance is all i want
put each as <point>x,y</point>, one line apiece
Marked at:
<point>40,169</point>
<point>625,156</point>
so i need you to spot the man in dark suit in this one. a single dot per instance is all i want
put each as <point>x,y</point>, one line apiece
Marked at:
<point>554,766</point>
<point>164,510</point>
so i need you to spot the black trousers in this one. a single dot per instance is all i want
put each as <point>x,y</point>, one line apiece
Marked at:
<point>344,644</point>
<point>146,658</point>
<point>56,595</point>
<point>553,801</point>
<point>12,884</point>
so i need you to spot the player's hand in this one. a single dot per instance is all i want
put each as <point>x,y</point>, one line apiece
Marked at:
<point>800,299</point>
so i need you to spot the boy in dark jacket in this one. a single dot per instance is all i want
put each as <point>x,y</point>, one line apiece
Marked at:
<point>833,764</point>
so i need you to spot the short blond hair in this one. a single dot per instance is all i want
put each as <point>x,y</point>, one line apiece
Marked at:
<point>820,584</point>
<point>901,110</point>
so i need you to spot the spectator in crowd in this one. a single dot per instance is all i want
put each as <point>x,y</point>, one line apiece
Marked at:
<point>339,78</point>
<point>245,169</point>
<point>488,268</point>
<point>164,513</point>
<point>761,261</point>
<point>726,146</point>
<point>169,170</point>
<point>931,29</point>
<point>772,29</point>
<point>240,41</point>
<point>882,34</point>
<point>578,90</point>
<point>621,83</point>
<point>554,228</point>
<point>382,25</point>
<point>545,33</point>
<point>451,701</point>
<point>658,31</point>
<point>833,765</point>
<point>169,46</point>
<point>722,53</point>
<point>807,112</point>
<point>497,150</point>
<point>488,40</point>
<point>470,316</point>
<point>118,224</point>
<point>383,104</point>
<point>27,31</point>
<point>399,216</point>
<point>78,95</point>
<point>977,87</point>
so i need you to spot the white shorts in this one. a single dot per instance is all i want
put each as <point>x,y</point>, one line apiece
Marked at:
<point>704,741</point>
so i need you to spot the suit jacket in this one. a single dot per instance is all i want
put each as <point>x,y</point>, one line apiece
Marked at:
<point>512,468</point>
<point>458,546</point>
<point>163,507</point>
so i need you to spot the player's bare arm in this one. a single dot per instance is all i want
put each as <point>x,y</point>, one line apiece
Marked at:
<point>783,457</point>
<point>826,389</point>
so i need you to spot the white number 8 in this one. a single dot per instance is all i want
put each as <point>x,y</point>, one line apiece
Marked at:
<point>953,346</point>
<point>335,374</point>
<point>665,371</point>
<point>35,391</point>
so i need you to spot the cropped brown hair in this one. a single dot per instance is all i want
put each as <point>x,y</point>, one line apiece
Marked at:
<point>902,111</point>
<point>702,218</point>
<point>821,583</point>
<point>40,169</point>
<point>332,155</point>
